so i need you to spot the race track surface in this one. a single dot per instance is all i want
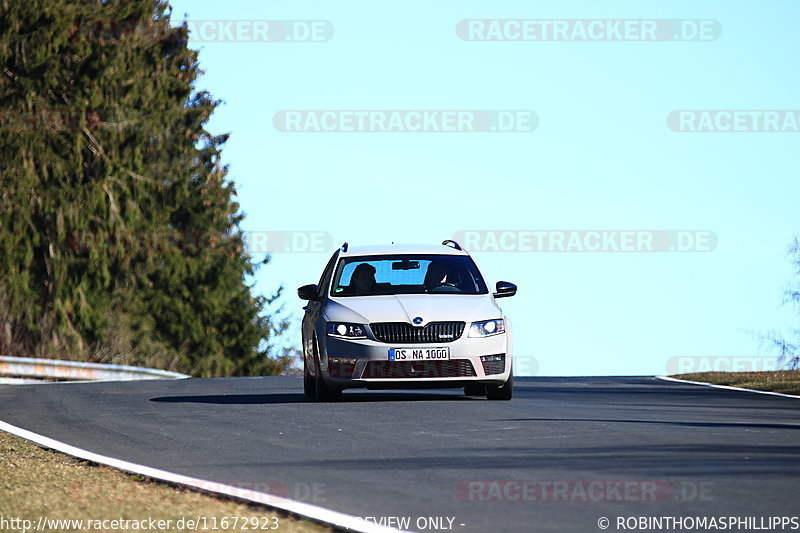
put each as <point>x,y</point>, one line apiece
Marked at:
<point>561,455</point>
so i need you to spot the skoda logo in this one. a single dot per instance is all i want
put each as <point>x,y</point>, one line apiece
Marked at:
<point>417,320</point>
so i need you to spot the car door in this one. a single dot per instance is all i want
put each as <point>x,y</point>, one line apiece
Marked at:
<point>313,310</point>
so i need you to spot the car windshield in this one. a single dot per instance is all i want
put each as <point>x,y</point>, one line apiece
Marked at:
<point>407,274</point>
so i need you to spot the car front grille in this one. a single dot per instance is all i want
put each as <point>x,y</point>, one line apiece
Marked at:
<point>403,332</point>
<point>455,368</point>
<point>493,364</point>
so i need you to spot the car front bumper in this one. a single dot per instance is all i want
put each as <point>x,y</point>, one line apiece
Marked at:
<point>365,363</point>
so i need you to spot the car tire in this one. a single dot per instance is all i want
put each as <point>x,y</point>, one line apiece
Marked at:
<point>503,392</point>
<point>309,383</point>
<point>322,391</point>
<point>474,389</point>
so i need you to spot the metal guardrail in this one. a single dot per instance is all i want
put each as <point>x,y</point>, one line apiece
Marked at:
<point>26,367</point>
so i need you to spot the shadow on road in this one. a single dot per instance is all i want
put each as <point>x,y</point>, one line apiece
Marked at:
<point>234,399</point>
<point>278,398</point>
<point>738,425</point>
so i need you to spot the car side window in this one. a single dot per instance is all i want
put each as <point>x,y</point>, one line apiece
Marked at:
<point>326,274</point>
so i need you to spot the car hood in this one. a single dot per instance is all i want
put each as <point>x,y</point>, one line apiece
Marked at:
<point>406,307</point>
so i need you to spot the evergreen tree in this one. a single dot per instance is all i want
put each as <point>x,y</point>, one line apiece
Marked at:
<point>120,233</point>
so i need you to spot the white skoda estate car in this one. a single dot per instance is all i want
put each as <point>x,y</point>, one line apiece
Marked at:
<point>405,317</point>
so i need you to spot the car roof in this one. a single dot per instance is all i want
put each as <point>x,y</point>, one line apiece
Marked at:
<point>392,249</point>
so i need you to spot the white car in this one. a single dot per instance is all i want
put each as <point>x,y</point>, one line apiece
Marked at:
<point>405,317</point>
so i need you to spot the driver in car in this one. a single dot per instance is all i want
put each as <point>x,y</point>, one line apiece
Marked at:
<point>439,278</point>
<point>363,280</point>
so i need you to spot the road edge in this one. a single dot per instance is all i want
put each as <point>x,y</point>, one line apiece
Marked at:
<point>726,387</point>
<point>307,510</point>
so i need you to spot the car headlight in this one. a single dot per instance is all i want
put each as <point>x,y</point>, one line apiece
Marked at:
<point>487,328</point>
<point>346,331</point>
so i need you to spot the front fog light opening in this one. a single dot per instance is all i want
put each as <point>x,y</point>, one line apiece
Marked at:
<point>336,360</point>
<point>341,367</point>
<point>493,364</point>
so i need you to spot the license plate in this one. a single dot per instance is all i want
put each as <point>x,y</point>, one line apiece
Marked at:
<point>419,354</point>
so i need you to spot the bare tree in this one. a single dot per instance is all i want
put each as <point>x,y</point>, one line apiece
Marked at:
<point>788,347</point>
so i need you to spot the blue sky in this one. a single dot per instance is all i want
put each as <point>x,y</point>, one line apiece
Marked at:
<point>601,158</point>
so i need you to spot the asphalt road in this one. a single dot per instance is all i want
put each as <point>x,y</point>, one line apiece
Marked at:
<point>561,455</point>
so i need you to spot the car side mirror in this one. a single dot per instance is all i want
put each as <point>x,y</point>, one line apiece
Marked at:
<point>505,289</point>
<point>308,292</point>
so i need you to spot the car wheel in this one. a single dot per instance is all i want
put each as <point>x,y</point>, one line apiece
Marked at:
<point>309,383</point>
<point>475,389</point>
<point>322,391</point>
<point>503,392</point>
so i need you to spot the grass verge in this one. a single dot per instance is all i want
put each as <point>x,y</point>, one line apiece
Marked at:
<point>35,482</point>
<point>785,381</point>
